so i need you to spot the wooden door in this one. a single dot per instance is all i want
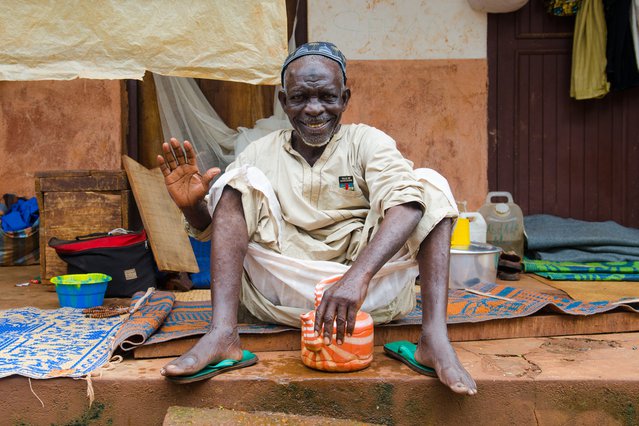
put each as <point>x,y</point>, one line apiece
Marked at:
<point>556,155</point>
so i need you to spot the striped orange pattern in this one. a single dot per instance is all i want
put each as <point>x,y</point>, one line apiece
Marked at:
<point>356,353</point>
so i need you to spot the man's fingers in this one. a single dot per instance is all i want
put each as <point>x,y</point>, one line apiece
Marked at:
<point>324,316</point>
<point>178,151</point>
<point>190,153</point>
<point>351,319</point>
<point>319,316</point>
<point>328,323</point>
<point>341,324</point>
<point>168,155</point>
<point>163,166</point>
<point>209,176</point>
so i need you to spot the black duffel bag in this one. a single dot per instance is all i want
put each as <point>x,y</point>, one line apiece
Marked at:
<point>124,255</point>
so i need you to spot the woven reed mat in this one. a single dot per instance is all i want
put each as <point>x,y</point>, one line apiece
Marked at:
<point>193,295</point>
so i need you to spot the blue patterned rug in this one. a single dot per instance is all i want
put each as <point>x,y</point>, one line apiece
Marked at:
<point>44,344</point>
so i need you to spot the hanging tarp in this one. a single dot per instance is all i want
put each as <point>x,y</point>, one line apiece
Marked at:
<point>239,40</point>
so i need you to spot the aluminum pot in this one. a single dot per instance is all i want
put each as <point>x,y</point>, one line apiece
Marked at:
<point>473,264</point>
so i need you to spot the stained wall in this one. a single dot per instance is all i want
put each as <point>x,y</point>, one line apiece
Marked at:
<point>57,125</point>
<point>418,71</point>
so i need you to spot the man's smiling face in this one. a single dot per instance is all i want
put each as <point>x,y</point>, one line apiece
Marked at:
<point>314,98</point>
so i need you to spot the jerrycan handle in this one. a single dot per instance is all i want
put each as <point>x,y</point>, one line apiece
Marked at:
<point>490,196</point>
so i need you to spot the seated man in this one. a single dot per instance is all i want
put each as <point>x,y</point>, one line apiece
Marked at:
<point>307,203</point>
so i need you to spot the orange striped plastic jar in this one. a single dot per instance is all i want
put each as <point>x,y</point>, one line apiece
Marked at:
<point>356,353</point>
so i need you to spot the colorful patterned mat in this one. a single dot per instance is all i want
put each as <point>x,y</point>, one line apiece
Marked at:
<point>43,344</point>
<point>593,271</point>
<point>486,302</point>
<point>501,302</point>
<point>162,318</point>
<point>146,320</point>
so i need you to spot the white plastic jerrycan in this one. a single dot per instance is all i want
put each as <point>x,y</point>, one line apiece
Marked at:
<point>477,226</point>
<point>504,223</point>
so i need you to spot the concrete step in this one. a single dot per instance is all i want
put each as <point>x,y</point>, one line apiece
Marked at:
<point>579,379</point>
<point>187,416</point>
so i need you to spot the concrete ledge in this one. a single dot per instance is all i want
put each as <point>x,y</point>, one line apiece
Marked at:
<point>182,416</point>
<point>538,325</point>
<point>582,380</point>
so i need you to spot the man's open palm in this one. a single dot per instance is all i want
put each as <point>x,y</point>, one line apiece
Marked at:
<point>182,177</point>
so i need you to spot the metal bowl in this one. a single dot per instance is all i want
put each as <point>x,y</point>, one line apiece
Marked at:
<point>473,264</point>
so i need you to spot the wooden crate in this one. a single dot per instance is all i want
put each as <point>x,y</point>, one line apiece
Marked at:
<point>80,202</point>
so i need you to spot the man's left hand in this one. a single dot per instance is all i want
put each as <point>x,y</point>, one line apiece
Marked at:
<point>339,306</point>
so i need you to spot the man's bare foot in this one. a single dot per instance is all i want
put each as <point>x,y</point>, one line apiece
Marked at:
<point>213,347</point>
<point>437,352</point>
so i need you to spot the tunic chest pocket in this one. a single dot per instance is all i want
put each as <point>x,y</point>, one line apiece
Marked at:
<point>336,198</point>
<point>341,189</point>
<point>352,192</point>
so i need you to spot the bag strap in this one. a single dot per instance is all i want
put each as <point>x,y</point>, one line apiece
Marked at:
<point>93,235</point>
<point>113,232</point>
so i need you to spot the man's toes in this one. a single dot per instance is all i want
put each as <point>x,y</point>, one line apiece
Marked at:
<point>459,387</point>
<point>459,382</point>
<point>180,366</point>
<point>468,388</point>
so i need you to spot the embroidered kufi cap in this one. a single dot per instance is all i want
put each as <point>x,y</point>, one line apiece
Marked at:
<point>321,48</point>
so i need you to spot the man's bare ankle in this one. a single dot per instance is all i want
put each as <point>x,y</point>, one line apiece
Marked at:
<point>433,334</point>
<point>223,331</point>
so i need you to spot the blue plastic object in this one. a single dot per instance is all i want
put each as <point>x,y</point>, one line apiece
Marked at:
<point>81,290</point>
<point>202,251</point>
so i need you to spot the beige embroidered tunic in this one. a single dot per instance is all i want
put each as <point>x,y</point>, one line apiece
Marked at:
<point>326,214</point>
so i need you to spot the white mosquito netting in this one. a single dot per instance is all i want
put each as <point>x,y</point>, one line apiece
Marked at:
<point>187,115</point>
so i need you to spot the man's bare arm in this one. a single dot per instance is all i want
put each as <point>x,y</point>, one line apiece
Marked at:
<point>198,217</point>
<point>343,299</point>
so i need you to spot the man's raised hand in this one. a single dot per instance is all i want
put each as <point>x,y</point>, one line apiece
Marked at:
<point>182,177</point>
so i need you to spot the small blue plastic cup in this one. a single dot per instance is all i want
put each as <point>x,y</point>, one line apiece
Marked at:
<point>81,290</point>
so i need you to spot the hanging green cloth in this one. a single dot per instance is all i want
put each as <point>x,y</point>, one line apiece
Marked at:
<point>589,52</point>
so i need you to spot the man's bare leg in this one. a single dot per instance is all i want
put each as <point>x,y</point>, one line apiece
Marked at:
<point>434,348</point>
<point>229,243</point>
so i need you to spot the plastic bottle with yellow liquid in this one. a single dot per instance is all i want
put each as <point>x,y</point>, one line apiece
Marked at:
<point>504,223</point>
<point>477,224</point>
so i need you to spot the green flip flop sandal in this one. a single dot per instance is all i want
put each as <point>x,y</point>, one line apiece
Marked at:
<point>212,370</point>
<point>404,351</point>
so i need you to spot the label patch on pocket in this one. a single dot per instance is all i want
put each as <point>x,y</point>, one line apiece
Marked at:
<point>346,182</point>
